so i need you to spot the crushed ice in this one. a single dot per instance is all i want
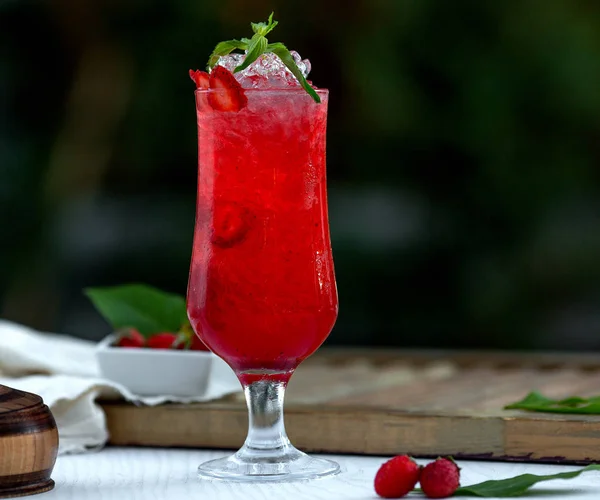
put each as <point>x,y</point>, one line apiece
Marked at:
<point>267,71</point>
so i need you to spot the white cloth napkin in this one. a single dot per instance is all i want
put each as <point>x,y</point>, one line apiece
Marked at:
<point>63,370</point>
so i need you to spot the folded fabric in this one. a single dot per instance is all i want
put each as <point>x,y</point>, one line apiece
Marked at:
<point>63,370</point>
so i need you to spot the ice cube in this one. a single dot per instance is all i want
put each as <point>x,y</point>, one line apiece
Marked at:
<point>268,71</point>
<point>231,61</point>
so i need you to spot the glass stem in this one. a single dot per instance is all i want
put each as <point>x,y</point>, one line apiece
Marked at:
<point>266,429</point>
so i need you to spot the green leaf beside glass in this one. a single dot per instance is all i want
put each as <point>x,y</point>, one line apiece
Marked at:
<point>143,307</point>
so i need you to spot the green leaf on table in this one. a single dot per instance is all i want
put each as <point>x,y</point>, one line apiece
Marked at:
<point>535,401</point>
<point>516,485</point>
<point>139,306</point>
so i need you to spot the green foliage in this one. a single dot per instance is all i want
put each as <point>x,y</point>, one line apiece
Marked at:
<point>535,401</point>
<point>515,486</point>
<point>139,306</point>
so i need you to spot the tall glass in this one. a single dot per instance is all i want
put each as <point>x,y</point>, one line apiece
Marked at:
<point>262,292</point>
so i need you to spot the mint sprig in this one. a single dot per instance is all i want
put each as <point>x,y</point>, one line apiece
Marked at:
<point>257,46</point>
<point>535,401</point>
<point>264,29</point>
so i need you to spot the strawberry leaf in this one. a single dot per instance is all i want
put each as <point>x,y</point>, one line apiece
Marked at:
<point>283,53</point>
<point>145,308</point>
<point>516,485</point>
<point>224,49</point>
<point>535,401</point>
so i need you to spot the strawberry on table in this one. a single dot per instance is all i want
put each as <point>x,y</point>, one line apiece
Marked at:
<point>397,477</point>
<point>440,479</point>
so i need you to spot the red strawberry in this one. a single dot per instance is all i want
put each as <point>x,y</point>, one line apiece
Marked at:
<point>189,338</point>
<point>196,344</point>
<point>440,479</point>
<point>200,78</point>
<point>131,338</point>
<point>230,224</point>
<point>165,341</point>
<point>227,94</point>
<point>397,477</point>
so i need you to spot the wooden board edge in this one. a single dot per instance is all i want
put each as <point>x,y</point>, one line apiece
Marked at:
<point>330,430</point>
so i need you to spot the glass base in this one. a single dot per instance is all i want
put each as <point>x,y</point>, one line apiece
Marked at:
<point>249,465</point>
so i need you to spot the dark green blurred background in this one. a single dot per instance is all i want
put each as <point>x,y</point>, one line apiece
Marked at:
<point>463,155</point>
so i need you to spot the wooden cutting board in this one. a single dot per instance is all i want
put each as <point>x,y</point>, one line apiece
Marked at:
<point>388,402</point>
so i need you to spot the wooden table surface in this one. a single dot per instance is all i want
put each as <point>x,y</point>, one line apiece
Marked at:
<point>170,474</point>
<point>381,402</point>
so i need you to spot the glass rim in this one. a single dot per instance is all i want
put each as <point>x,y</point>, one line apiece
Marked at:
<point>319,91</point>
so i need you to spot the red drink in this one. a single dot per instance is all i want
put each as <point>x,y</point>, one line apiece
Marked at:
<point>262,292</point>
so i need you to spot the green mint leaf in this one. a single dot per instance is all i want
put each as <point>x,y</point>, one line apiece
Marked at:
<point>258,28</point>
<point>515,486</point>
<point>224,49</point>
<point>264,29</point>
<point>283,53</point>
<point>256,48</point>
<point>139,306</point>
<point>270,25</point>
<point>540,403</point>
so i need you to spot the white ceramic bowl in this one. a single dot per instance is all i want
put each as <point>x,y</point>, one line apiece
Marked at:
<point>162,372</point>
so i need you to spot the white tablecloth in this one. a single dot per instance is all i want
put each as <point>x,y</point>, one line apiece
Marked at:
<point>169,474</point>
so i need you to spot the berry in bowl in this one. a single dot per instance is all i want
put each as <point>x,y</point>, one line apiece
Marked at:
<point>154,351</point>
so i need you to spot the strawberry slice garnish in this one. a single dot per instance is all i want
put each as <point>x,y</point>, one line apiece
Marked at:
<point>228,94</point>
<point>200,78</point>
